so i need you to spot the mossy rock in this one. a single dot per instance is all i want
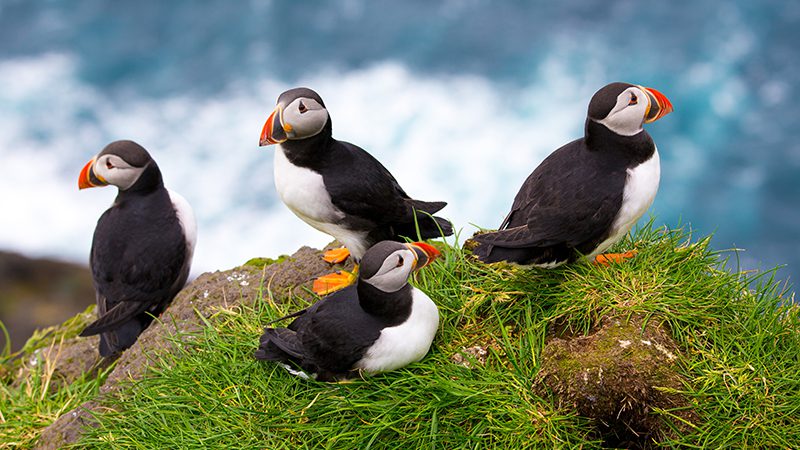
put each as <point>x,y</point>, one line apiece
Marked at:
<point>618,375</point>
<point>263,262</point>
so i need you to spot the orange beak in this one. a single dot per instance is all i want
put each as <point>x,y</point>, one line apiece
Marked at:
<point>88,179</point>
<point>273,132</point>
<point>425,253</point>
<point>659,107</point>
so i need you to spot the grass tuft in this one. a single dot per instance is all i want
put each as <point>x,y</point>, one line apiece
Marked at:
<point>31,394</point>
<point>739,359</point>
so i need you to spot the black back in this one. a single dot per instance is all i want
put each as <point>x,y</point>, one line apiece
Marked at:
<point>139,261</point>
<point>363,189</point>
<point>332,335</point>
<point>566,207</point>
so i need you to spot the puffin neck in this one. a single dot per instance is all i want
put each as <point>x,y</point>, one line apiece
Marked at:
<point>636,149</point>
<point>393,308</point>
<point>306,152</point>
<point>148,182</point>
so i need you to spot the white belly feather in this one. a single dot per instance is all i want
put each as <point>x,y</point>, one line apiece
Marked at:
<point>303,191</point>
<point>187,220</point>
<point>406,343</point>
<point>641,187</point>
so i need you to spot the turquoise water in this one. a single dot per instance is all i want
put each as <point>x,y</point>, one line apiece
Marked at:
<point>460,100</point>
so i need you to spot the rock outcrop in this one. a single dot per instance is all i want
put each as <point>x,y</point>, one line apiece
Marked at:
<point>206,295</point>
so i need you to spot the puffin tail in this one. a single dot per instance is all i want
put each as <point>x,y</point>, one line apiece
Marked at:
<point>428,207</point>
<point>281,345</point>
<point>116,317</point>
<point>115,341</point>
<point>425,225</point>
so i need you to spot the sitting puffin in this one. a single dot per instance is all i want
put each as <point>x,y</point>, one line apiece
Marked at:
<point>339,188</point>
<point>380,323</point>
<point>142,247</point>
<point>586,195</point>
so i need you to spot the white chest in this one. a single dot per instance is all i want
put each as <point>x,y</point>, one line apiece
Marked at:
<point>408,342</point>
<point>641,187</point>
<point>303,191</point>
<point>186,219</point>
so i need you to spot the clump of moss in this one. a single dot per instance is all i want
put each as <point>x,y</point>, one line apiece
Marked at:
<point>263,262</point>
<point>618,375</point>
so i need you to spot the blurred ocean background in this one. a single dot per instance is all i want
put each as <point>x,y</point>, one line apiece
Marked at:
<point>459,99</point>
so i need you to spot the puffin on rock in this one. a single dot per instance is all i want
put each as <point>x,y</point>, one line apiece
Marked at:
<point>586,195</point>
<point>380,323</point>
<point>339,188</point>
<point>142,247</point>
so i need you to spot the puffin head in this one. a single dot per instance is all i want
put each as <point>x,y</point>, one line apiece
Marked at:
<point>388,264</point>
<point>299,114</point>
<point>623,108</point>
<point>120,163</point>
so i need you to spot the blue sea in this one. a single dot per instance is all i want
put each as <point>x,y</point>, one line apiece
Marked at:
<point>460,99</point>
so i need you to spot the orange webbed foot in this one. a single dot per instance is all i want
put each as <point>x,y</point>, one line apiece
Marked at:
<point>336,255</point>
<point>332,282</point>
<point>607,258</point>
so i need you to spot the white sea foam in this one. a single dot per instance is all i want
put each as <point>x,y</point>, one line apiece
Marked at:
<point>462,139</point>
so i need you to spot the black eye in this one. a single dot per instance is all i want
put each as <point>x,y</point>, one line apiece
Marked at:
<point>302,107</point>
<point>634,99</point>
<point>399,261</point>
<point>109,165</point>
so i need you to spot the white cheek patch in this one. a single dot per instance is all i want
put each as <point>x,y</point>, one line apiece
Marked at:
<point>625,119</point>
<point>390,277</point>
<point>307,124</point>
<point>121,175</point>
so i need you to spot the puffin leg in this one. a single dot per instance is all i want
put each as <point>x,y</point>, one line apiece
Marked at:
<point>332,282</point>
<point>336,255</point>
<point>607,258</point>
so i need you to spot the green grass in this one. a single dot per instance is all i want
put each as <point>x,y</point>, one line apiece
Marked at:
<point>30,396</point>
<point>739,336</point>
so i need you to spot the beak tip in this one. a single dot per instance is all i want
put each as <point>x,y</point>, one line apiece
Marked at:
<point>430,252</point>
<point>272,132</point>
<point>663,103</point>
<point>83,178</point>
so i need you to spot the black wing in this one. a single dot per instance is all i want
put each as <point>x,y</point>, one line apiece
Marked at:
<point>139,262</point>
<point>370,191</point>
<point>336,332</point>
<point>280,344</point>
<point>571,198</point>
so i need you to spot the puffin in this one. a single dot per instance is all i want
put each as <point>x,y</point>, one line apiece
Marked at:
<point>339,188</point>
<point>142,247</point>
<point>380,323</point>
<point>585,196</point>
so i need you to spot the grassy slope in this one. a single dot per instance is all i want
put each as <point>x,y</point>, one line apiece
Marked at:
<point>31,404</point>
<point>741,355</point>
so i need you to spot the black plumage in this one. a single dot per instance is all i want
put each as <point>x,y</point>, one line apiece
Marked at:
<point>367,193</point>
<point>330,337</point>
<point>359,186</point>
<point>568,205</point>
<point>140,257</point>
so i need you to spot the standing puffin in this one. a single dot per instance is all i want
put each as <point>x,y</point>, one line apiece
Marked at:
<point>142,247</point>
<point>380,323</point>
<point>339,188</point>
<point>586,195</point>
